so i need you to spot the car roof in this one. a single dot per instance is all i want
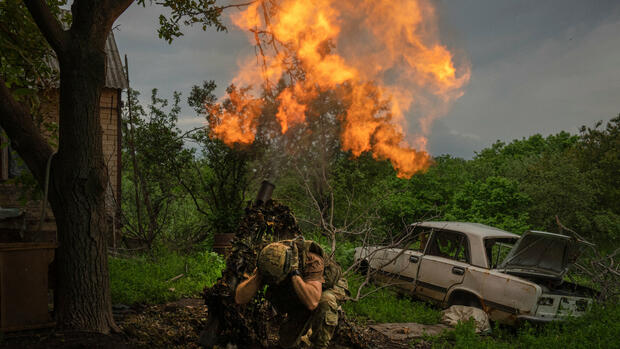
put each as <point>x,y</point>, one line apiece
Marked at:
<point>470,229</point>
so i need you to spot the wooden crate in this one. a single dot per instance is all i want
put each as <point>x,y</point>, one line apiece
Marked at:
<point>24,285</point>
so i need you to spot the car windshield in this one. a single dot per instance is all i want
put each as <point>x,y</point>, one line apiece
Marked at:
<point>497,249</point>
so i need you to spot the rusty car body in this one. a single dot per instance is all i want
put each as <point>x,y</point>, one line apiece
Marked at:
<point>513,278</point>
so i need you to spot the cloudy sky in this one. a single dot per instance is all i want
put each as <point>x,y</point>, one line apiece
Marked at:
<point>537,66</point>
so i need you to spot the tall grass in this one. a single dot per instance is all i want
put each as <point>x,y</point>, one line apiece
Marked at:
<point>147,279</point>
<point>385,305</point>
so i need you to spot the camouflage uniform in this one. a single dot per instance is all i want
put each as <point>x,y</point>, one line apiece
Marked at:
<point>323,320</point>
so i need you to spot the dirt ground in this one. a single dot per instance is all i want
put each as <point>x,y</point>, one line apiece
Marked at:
<point>173,325</point>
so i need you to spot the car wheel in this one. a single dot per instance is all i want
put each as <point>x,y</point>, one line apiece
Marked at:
<point>466,299</point>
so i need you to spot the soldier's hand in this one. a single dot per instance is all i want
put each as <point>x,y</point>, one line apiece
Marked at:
<point>256,275</point>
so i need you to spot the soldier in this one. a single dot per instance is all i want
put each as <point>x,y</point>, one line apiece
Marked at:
<point>299,290</point>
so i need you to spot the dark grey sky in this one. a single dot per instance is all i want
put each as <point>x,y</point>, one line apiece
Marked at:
<point>537,66</point>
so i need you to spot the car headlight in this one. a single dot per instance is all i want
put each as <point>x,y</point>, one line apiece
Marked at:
<point>581,304</point>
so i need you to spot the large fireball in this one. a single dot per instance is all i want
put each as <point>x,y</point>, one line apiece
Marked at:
<point>387,49</point>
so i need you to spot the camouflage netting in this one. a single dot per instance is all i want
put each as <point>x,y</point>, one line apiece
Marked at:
<point>254,325</point>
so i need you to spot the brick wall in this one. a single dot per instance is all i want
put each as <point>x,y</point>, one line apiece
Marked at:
<point>10,194</point>
<point>109,124</point>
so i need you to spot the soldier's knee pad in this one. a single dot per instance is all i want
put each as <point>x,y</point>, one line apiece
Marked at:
<point>328,301</point>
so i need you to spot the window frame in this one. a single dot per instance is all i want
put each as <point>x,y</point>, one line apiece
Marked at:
<point>433,240</point>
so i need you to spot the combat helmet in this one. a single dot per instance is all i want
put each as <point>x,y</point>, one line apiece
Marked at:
<point>274,262</point>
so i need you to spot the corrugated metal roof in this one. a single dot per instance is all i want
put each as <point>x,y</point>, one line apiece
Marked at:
<point>115,72</point>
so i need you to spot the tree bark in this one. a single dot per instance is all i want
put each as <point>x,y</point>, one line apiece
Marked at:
<point>77,194</point>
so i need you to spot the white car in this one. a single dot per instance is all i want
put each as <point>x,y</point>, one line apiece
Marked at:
<point>511,277</point>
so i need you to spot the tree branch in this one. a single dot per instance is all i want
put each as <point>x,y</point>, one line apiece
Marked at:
<point>115,8</point>
<point>237,6</point>
<point>49,25</point>
<point>93,20</point>
<point>25,137</point>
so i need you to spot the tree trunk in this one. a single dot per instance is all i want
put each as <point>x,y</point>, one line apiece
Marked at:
<point>77,194</point>
<point>78,177</point>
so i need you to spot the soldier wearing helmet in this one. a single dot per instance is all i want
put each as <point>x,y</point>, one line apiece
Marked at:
<point>296,289</point>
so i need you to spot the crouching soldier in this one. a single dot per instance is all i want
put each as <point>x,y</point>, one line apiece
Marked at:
<point>304,283</point>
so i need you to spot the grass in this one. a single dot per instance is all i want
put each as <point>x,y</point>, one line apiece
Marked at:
<point>599,328</point>
<point>145,279</point>
<point>385,305</point>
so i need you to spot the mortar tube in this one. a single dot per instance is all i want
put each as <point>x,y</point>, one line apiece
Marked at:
<point>264,193</point>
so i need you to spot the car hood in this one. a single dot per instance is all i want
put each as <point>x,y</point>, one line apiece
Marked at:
<point>543,254</point>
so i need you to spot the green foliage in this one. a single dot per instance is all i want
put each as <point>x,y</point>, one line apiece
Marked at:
<point>144,279</point>
<point>598,156</point>
<point>424,196</point>
<point>171,193</point>
<point>153,151</point>
<point>24,52</point>
<point>345,250</point>
<point>496,201</point>
<point>218,180</point>
<point>187,12</point>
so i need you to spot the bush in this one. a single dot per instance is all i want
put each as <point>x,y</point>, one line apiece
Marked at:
<point>144,279</point>
<point>345,250</point>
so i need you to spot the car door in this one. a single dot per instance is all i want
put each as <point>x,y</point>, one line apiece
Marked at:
<point>406,269</point>
<point>443,265</point>
<point>408,262</point>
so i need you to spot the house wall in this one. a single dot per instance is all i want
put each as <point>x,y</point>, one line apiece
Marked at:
<point>110,140</point>
<point>10,194</point>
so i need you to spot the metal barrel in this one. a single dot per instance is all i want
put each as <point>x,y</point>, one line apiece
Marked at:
<point>222,243</point>
<point>264,193</point>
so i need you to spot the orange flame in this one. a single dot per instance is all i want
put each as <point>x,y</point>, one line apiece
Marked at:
<point>381,49</point>
<point>290,111</point>
<point>236,121</point>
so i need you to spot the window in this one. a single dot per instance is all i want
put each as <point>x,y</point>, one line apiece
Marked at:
<point>416,238</point>
<point>449,244</point>
<point>497,250</point>
<point>11,165</point>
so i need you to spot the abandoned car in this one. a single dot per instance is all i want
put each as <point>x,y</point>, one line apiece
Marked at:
<point>511,277</point>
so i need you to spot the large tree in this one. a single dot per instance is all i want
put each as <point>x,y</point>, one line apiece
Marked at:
<point>78,175</point>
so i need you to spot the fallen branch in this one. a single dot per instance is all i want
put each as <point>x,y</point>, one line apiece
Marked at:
<point>176,278</point>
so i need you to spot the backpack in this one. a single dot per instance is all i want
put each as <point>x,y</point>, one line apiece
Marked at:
<point>332,272</point>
